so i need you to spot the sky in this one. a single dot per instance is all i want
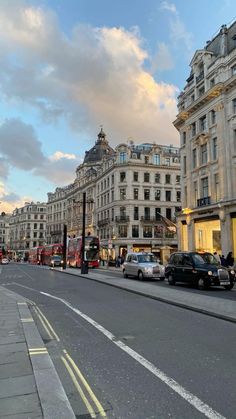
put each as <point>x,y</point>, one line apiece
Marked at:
<point>69,67</point>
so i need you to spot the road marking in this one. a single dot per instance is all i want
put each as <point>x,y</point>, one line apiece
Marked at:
<point>48,325</point>
<point>38,351</point>
<point>27,320</point>
<point>170,382</point>
<point>86,385</point>
<point>78,387</point>
<point>43,323</point>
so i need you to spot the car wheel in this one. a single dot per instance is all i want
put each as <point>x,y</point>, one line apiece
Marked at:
<point>171,280</point>
<point>140,276</point>
<point>202,284</point>
<point>125,274</point>
<point>228,287</point>
<point>161,279</point>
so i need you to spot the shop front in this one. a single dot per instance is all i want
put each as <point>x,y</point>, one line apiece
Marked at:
<point>207,234</point>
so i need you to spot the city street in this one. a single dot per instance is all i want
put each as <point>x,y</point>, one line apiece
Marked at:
<point>135,357</point>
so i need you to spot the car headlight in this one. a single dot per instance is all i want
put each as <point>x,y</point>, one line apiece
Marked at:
<point>149,270</point>
<point>61,261</point>
<point>210,273</point>
<point>232,272</point>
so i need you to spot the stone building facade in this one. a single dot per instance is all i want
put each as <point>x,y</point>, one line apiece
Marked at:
<point>207,125</point>
<point>132,196</point>
<point>27,226</point>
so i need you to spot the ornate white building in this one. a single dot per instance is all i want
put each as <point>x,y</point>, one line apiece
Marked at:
<point>27,226</point>
<point>207,125</point>
<point>132,196</point>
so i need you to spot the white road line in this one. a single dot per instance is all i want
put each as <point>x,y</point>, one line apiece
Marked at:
<point>185,394</point>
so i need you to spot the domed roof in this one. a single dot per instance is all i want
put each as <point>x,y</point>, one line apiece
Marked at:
<point>99,150</point>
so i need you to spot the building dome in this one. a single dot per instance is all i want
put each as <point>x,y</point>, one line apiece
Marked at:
<point>99,150</point>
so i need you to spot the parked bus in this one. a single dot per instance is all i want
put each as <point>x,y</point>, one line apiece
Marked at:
<point>35,255</point>
<point>51,250</point>
<point>91,252</point>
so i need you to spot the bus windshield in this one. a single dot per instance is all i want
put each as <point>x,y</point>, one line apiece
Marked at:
<point>91,248</point>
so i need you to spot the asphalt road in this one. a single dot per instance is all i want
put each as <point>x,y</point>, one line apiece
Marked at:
<point>141,358</point>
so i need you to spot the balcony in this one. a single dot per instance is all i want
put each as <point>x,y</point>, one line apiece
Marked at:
<point>200,77</point>
<point>102,223</point>
<point>148,219</point>
<point>122,219</point>
<point>202,202</point>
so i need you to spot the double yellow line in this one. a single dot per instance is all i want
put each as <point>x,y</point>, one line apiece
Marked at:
<point>74,372</point>
<point>86,392</point>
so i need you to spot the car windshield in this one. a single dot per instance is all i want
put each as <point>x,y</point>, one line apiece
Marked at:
<point>198,259</point>
<point>56,257</point>
<point>147,258</point>
<point>209,258</point>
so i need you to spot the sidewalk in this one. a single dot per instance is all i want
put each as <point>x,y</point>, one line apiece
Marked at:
<point>213,306</point>
<point>29,385</point>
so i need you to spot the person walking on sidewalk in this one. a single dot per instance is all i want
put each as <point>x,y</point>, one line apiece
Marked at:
<point>230,259</point>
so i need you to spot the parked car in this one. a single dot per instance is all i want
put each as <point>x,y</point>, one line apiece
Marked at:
<point>5,261</point>
<point>56,260</point>
<point>201,269</point>
<point>143,265</point>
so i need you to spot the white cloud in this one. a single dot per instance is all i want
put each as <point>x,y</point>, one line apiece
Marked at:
<point>58,155</point>
<point>165,5</point>
<point>162,59</point>
<point>22,150</point>
<point>96,76</point>
<point>9,200</point>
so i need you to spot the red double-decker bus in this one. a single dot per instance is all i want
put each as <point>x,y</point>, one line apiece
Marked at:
<point>91,251</point>
<point>35,255</point>
<point>50,250</point>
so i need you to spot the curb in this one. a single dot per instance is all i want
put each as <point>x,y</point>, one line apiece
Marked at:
<point>161,299</point>
<point>53,399</point>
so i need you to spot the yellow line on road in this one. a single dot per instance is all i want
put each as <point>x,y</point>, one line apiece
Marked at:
<point>78,387</point>
<point>43,324</point>
<point>28,320</point>
<point>86,385</point>
<point>48,324</point>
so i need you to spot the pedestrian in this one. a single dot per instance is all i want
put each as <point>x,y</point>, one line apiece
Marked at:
<point>217,257</point>
<point>223,261</point>
<point>118,261</point>
<point>230,259</point>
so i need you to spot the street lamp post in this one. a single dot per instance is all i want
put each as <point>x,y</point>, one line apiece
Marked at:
<point>84,263</point>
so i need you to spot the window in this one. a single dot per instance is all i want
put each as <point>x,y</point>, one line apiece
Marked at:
<point>158,214</point>
<point>177,178</point>
<point>167,161</point>
<point>35,234</point>
<point>204,183</point>
<point>212,83</point>
<point>168,195</point>
<point>122,193</point>
<point>203,153</point>
<point>135,176</point>
<point>122,231</point>
<point>193,129</point>
<point>146,177</point>
<point>112,179</point>
<point>213,116</point>
<point>146,159</point>
<point>201,91</point>
<point>112,195</point>
<point>147,213</point>
<point>156,159</point>
<point>184,138</point>
<point>168,213</point>
<point>41,216</point>
<point>195,191</point>
<point>194,158</point>
<point>184,165</point>
<point>35,226</point>
<point>202,124</point>
<point>214,149</point>
<point>136,213</point>
<point>147,194</point>
<point>123,156</point>
<point>41,226</point>
<point>234,70</point>
<point>157,195</point>
<point>178,196</point>
<point>147,231</point>
<point>135,193</point>
<point>36,216</point>
<point>217,187</point>
<point>234,105</point>
<point>122,176</point>
<point>122,213</point>
<point>135,231</point>
<point>168,178</point>
<point>157,178</point>
<point>112,214</point>
<point>234,140</point>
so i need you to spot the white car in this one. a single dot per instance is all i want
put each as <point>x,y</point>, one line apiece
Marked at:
<point>143,265</point>
<point>5,261</point>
